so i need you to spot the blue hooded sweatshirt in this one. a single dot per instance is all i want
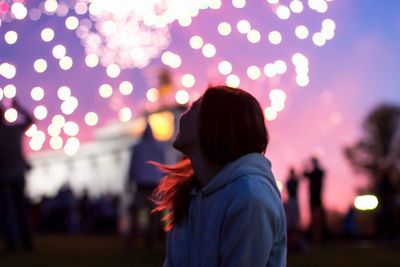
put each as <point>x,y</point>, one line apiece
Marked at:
<point>236,220</point>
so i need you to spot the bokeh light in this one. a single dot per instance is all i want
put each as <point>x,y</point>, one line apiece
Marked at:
<point>185,21</point>
<point>115,39</point>
<point>9,91</point>
<point>328,24</point>
<point>209,50</point>
<point>105,90</point>
<point>277,95</point>
<point>318,5</point>
<point>54,130</point>
<point>253,36</point>
<point>162,124</point>
<point>137,29</point>
<point>318,39</point>
<point>224,28</point>
<point>280,67</point>
<point>296,6</point>
<point>196,42</point>
<point>328,29</point>
<point>66,63</point>
<point>270,114</point>
<point>35,14</point>
<point>215,4</point>
<point>56,142</point>
<point>278,106</point>
<point>125,88</point>
<point>50,6</point>
<point>19,10</point>
<point>171,59</point>
<point>279,184</point>
<point>11,115</point>
<point>69,105</point>
<point>302,80</point>
<point>59,51</point>
<point>91,118</point>
<point>11,37</point>
<point>125,114</point>
<point>188,80</point>
<point>225,67</point>
<point>239,3</point>
<point>58,120</point>
<point>63,92</point>
<point>37,141</point>
<point>71,128</point>
<point>7,70</point>
<point>47,34</point>
<point>72,145</point>
<point>283,12</point>
<point>269,70</point>
<point>233,80</point>
<point>62,9</point>
<point>275,37</point>
<point>40,112</point>
<point>152,95</point>
<point>113,70</point>
<point>105,60</point>
<point>301,32</point>
<point>253,72</point>
<point>40,65</point>
<point>243,26</point>
<point>72,23</point>
<point>91,60</point>
<point>366,202</point>
<point>80,8</point>
<point>31,130</point>
<point>182,97</point>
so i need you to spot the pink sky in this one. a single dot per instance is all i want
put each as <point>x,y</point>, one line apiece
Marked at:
<point>349,75</point>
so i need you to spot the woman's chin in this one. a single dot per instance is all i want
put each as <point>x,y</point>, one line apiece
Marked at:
<point>176,144</point>
<point>179,145</point>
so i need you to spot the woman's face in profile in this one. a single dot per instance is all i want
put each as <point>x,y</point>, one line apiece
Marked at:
<point>187,136</point>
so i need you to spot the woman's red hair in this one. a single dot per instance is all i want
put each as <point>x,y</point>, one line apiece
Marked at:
<point>231,125</point>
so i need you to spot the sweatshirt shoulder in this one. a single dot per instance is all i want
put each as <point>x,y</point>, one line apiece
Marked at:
<point>255,193</point>
<point>253,188</point>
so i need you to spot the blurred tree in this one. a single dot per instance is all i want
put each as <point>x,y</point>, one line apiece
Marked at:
<point>377,154</point>
<point>379,148</point>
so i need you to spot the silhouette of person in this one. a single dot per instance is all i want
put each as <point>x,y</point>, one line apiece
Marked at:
<point>66,208</point>
<point>315,178</point>
<point>222,203</point>
<point>292,185</point>
<point>386,192</point>
<point>349,224</point>
<point>84,208</point>
<point>13,204</point>
<point>292,209</point>
<point>146,178</point>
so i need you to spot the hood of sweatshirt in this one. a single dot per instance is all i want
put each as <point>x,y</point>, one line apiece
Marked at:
<point>250,164</point>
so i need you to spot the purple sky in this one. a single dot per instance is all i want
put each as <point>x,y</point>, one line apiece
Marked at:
<point>349,75</point>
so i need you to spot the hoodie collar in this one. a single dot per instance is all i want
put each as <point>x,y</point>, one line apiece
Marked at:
<point>249,164</point>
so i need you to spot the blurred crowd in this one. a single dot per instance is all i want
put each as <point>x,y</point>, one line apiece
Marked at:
<point>67,213</point>
<point>130,214</point>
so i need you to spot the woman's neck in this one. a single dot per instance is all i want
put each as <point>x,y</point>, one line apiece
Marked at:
<point>203,169</point>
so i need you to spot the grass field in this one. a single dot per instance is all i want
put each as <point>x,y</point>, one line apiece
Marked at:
<point>107,251</point>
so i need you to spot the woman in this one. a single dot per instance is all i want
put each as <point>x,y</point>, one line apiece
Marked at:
<point>224,208</point>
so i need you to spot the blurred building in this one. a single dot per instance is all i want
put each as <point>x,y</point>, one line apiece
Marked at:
<point>100,166</point>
